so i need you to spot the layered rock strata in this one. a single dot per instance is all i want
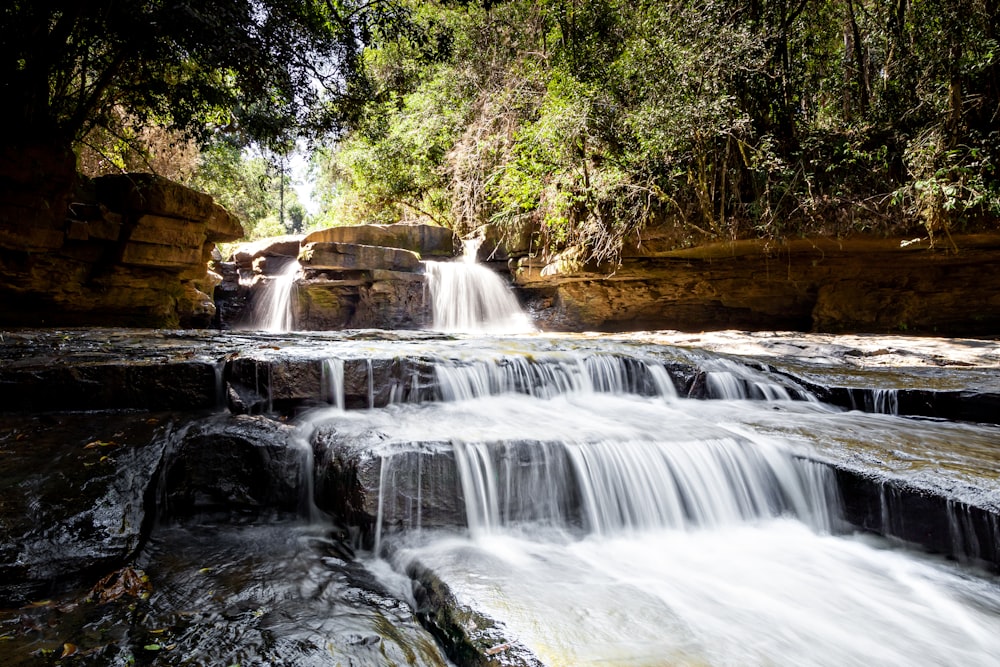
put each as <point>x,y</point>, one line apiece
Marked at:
<point>826,284</point>
<point>365,276</point>
<point>129,250</point>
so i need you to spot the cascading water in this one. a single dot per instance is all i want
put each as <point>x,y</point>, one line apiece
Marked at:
<point>272,310</point>
<point>605,520</point>
<point>467,297</point>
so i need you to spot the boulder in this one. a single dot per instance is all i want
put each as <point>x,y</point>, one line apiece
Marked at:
<point>330,256</point>
<point>377,299</point>
<point>418,485</point>
<point>282,247</point>
<point>425,240</point>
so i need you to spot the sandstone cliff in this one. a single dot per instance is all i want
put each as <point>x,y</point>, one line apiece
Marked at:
<point>824,284</point>
<point>129,250</point>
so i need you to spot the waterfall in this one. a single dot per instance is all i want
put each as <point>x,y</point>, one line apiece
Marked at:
<point>639,485</point>
<point>273,308</point>
<point>568,492</point>
<point>332,381</point>
<point>732,381</point>
<point>545,377</point>
<point>467,297</point>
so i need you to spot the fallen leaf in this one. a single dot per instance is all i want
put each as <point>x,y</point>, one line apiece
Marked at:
<point>127,581</point>
<point>68,650</point>
<point>100,443</point>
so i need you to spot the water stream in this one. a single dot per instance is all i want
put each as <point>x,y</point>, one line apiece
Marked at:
<point>273,304</point>
<point>468,297</point>
<point>605,521</point>
<point>604,500</point>
<point>601,518</point>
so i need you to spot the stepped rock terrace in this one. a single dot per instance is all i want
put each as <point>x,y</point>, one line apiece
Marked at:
<point>463,494</point>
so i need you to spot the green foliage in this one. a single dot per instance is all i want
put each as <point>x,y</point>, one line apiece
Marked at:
<point>583,121</point>
<point>267,70</point>
<point>249,186</point>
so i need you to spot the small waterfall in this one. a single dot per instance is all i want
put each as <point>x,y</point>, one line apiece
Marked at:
<point>885,401</point>
<point>273,307</point>
<point>547,377</point>
<point>640,485</point>
<point>467,297</point>
<point>732,381</point>
<point>509,483</point>
<point>332,381</point>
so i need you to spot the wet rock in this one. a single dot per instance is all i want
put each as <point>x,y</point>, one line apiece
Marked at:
<point>114,384</point>
<point>417,487</point>
<point>227,464</point>
<point>223,595</point>
<point>469,636</point>
<point>930,519</point>
<point>75,502</point>
<point>255,385</point>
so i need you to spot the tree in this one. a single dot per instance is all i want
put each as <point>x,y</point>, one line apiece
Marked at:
<point>265,69</point>
<point>249,185</point>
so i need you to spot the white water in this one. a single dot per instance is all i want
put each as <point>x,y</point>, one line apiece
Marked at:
<point>332,381</point>
<point>272,310</point>
<point>608,521</point>
<point>467,297</point>
<point>764,593</point>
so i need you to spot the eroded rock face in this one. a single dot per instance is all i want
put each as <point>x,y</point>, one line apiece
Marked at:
<point>130,250</point>
<point>366,276</point>
<point>426,240</point>
<point>827,285</point>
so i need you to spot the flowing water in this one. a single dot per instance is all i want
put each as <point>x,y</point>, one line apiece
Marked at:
<point>602,519</point>
<point>605,500</point>
<point>272,307</point>
<point>468,297</point>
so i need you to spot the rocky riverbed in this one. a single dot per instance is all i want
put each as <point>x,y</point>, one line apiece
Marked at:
<point>198,495</point>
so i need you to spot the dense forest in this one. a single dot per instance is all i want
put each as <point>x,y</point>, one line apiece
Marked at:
<point>591,119</point>
<point>582,121</point>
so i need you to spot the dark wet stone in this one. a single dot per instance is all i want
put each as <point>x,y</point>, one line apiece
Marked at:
<point>419,486</point>
<point>924,517</point>
<point>75,496</point>
<point>232,464</point>
<point>224,595</point>
<point>109,384</point>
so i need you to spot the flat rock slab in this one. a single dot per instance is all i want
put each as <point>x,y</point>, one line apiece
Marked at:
<point>74,496</point>
<point>427,240</point>
<point>327,256</point>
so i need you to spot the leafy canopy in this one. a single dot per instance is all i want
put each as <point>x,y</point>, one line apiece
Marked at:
<point>266,70</point>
